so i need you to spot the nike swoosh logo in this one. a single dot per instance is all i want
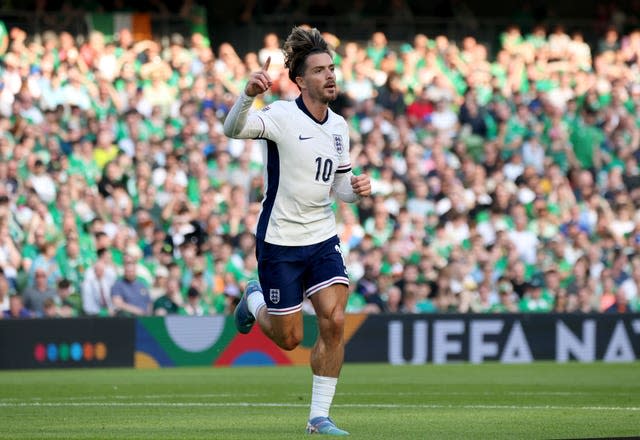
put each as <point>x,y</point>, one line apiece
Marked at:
<point>304,138</point>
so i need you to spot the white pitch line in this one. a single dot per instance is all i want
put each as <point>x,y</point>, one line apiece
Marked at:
<point>160,396</point>
<point>304,405</point>
<point>215,395</point>
<point>144,396</point>
<point>480,393</point>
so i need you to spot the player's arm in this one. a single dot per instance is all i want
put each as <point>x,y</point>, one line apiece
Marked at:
<point>349,187</point>
<point>342,187</point>
<point>239,123</point>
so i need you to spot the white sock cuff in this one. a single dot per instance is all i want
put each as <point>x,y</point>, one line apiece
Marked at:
<point>325,380</point>
<point>255,302</point>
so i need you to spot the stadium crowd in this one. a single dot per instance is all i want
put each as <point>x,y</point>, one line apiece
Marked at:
<point>502,182</point>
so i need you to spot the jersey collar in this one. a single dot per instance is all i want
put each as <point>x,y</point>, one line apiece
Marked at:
<point>306,111</point>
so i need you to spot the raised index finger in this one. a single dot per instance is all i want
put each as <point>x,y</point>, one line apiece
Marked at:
<point>265,67</point>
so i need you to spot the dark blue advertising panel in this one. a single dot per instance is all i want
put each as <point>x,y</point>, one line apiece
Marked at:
<point>519,338</point>
<point>394,339</point>
<point>57,343</point>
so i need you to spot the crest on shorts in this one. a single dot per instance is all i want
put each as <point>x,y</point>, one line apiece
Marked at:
<point>337,142</point>
<point>274,295</point>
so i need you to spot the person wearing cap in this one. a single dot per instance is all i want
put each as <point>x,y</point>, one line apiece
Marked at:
<point>533,299</point>
<point>507,303</point>
<point>194,305</point>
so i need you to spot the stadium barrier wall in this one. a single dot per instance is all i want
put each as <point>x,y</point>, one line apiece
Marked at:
<point>399,339</point>
<point>172,341</point>
<point>512,338</point>
<point>66,343</point>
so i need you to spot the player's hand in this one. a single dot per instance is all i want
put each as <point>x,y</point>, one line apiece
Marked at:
<point>259,82</point>
<point>361,185</point>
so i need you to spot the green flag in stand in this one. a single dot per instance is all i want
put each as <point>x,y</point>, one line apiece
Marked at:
<point>102,23</point>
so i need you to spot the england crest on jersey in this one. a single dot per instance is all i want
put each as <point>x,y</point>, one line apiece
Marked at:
<point>337,142</point>
<point>274,295</point>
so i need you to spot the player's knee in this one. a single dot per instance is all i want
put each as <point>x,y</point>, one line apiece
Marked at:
<point>289,339</point>
<point>335,325</point>
<point>289,342</point>
<point>337,320</point>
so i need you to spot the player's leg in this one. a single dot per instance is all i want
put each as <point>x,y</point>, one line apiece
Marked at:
<point>328,353</point>
<point>328,294</point>
<point>284,330</point>
<point>327,357</point>
<point>276,301</point>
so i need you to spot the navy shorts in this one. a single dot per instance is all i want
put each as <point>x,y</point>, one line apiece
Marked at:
<point>287,273</point>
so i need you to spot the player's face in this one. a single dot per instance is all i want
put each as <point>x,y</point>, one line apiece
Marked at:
<point>319,80</point>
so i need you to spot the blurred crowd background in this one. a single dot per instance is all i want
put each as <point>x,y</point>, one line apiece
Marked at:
<point>505,172</point>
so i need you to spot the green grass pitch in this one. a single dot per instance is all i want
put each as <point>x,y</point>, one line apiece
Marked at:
<point>375,401</point>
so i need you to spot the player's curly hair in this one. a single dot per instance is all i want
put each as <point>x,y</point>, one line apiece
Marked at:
<point>302,42</point>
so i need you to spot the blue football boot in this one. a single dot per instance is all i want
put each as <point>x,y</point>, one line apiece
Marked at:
<point>243,318</point>
<point>324,425</point>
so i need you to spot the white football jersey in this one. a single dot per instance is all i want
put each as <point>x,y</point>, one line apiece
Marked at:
<point>302,157</point>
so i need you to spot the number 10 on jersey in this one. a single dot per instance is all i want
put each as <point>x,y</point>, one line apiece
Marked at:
<point>323,169</point>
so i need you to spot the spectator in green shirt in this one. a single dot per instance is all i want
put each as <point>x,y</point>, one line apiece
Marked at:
<point>506,297</point>
<point>194,306</point>
<point>587,138</point>
<point>533,299</point>
<point>69,301</point>
<point>171,301</point>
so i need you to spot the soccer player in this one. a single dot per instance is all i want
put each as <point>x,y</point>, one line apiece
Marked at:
<point>297,248</point>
